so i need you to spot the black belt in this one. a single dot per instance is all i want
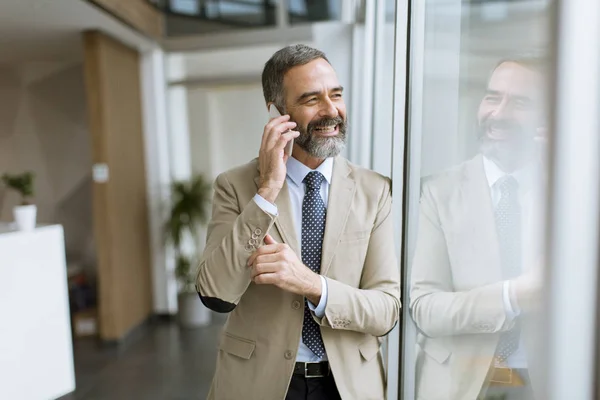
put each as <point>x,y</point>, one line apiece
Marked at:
<point>312,369</point>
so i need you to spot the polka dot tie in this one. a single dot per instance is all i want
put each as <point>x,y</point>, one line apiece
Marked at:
<point>313,231</point>
<point>508,226</point>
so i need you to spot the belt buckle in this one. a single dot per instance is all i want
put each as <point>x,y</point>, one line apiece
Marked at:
<point>502,372</point>
<point>307,375</point>
<point>506,376</point>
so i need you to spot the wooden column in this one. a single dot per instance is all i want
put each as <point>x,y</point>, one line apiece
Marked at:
<point>120,206</point>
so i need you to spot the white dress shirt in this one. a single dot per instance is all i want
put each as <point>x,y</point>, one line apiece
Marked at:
<point>526,178</point>
<point>296,172</point>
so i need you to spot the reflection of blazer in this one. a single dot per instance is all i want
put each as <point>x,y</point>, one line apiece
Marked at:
<point>260,340</point>
<point>456,285</point>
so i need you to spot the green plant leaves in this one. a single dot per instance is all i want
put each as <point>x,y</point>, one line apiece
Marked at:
<point>21,183</point>
<point>189,210</point>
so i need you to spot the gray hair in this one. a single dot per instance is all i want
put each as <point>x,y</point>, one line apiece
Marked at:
<point>279,64</point>
<point>535,60</point>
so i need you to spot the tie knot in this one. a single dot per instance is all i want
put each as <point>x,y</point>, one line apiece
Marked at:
<point>509,185</point>
<point>313,180</point>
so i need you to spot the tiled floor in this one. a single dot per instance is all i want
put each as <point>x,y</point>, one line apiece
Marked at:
<point>165,363</point>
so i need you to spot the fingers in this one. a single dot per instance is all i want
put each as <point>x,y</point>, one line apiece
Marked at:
<point>285,138</point>
<point>275,128</point>
<point>269,239</point>
<point>267,249</point>
<point>267,258</point>
<point>265,268</point>
<point>277,132</point>
<point>268,253</point>
<point>272,122</point>
<point>266,279</point>
<point>278,120</point>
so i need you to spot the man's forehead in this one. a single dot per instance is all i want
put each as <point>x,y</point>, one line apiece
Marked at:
<point>315,74</point>
<point>513,78</point>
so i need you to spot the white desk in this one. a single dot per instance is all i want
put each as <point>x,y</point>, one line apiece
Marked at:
<point>36,349</point>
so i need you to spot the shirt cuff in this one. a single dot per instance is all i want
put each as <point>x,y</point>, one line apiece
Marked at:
<point>319,310</point>
<point>512,309</point>
<point>265,205</point>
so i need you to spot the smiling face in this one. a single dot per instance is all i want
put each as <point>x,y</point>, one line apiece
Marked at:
<point>510,115</point>
<point>314,100</point>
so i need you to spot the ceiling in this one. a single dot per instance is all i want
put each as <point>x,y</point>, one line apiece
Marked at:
<point>50,30</point>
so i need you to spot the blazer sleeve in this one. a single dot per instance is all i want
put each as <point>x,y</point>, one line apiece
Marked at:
<point>233,235</point>
<point>436,308</point>
<point>374,307</point>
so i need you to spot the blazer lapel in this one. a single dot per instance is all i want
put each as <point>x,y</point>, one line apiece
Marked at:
<point>285,220</point>
<point>480,220</point>
<point>341,193</point>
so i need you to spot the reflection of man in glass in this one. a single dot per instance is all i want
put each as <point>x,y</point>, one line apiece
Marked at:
<point>474,275</point>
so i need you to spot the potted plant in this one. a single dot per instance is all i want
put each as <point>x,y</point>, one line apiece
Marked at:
<point>189,210</point>
<point>25,213</point>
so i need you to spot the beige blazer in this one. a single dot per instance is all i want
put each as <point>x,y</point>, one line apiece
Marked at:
<point>456,288</point>
<point>259,342</point>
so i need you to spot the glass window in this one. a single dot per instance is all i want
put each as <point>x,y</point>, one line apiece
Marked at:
<point>476,197</point>
<point>188,7</point>
<point>242,12</point>
<point>301,11</point>
<point>390,11</point>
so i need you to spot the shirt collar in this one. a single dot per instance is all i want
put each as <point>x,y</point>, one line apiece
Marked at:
<point>298,171</point>
<point>525,176</point>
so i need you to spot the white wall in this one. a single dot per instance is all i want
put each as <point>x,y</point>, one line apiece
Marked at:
<point>219,63</point>
<point>43,128</point>
<point>226,126</point>
<point>158,178</point>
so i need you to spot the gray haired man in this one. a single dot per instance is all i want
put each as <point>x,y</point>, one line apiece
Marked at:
<point>300,251</point>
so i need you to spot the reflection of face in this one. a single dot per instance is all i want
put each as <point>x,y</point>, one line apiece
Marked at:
<point>313,98</point>
<point>509,115</point>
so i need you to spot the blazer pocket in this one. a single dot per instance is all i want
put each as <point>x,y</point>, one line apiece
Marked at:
<point>369,349</point>
<point>237,346</point>
<point>355,236</point>
<point>436,351</point>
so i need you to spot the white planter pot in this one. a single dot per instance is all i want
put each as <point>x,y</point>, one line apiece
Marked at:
<point>192,313</point>
<point>25,217</point>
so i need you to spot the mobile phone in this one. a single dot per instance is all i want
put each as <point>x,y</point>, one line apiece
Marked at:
<point>274,113</point>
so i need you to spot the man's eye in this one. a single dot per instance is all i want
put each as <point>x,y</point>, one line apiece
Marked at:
<point>492,99</point>
<point>522,104</point>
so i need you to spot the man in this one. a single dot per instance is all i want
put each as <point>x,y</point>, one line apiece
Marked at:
<point>475,275</point>
<point>300,252</point>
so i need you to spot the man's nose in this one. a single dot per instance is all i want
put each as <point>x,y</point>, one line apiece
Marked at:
<point>501,109</point>
<point>328,109</point>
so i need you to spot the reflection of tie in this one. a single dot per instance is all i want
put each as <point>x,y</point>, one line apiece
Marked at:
<point>313,231</point>
<point>508,225</point>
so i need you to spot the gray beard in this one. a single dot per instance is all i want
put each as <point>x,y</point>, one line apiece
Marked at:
<point>508,156</point>
<point>322,147</point>
<point>319,147</point>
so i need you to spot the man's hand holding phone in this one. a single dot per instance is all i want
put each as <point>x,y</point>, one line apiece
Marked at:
<point>272,157</point>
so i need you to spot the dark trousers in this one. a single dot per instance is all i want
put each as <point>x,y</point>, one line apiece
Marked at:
<point>302,388</point>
